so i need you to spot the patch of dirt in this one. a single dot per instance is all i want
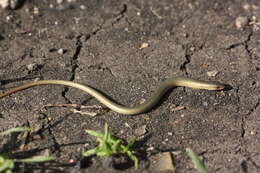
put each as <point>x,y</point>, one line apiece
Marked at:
<point>101,42</point>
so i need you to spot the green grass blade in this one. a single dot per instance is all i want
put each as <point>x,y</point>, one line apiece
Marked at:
<point>89,152</point>
<point>107,133</point>
<point>94,133</point>
<point>133,158</point>
<point>8,171</point>
<point>14,130</point>
<point>131,142</point>
<point>2,159</point>
<point>7,164</point>
<point>116,145</point>
<point>36,159</point>
<point>109,145</point>
<point>199,165</point>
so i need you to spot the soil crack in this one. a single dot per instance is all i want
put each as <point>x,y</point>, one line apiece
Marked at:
<point>243,43</point>
<point>189,51</point>
<point>79,45</point>
<point>53,140</point>
<point>74,65</point>
<point>246,44</point>
<point>183,66</point>
<point>120,15</point>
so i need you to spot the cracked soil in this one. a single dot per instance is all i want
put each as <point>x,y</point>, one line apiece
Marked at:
<point>101,42</point>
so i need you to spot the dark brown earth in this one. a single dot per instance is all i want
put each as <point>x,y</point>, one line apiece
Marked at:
<point>101,40</point>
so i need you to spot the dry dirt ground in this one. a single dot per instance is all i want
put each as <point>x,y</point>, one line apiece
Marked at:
<point>99,43</point>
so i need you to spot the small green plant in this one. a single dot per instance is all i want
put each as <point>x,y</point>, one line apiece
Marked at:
<point>199,165</point>
<point>7,165</point>
<point>109,146</point>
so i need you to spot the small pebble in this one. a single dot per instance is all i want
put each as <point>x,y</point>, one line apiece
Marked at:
<point>178,152</point>
<point>205,104</point>
<point>14,3</point>
<point>212,73</point>
<point>164,162</point>
<point>36,11</point>
<point>177,108</point>
<point>241,22</point>
<point>59,1</point>
<point>4,4</point>
<point>170,133</point>
<point>32,66</point>
<point>141,130</point>
<point>142,100</point>
<point>185,35</point>
<point>246,6</point>
<point>144,45</point>
<point>151,148</point>
<point>9,18</point>
<point>11,4</point>
<point>71,161</point>
<point>82,7</point>
<point>255,7</point>
<point>61,51</point>
<point>127,125</point>
<point>252,133</point>
<point>254,22</point>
